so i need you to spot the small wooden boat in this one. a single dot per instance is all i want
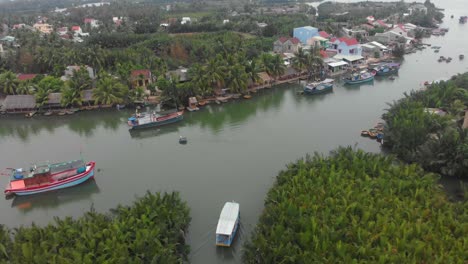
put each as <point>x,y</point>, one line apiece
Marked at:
<point>70,112</point>
<point>193,108</point>
<point>436,51</point>
<point>236,96</point>
<point>361,77</point>
<point>31,114</point>
<point>319,87</point>
<point>182,140</point>
<point>151,120</point>
<point>461,56</point>
<point>228,224</point>
<point>247,96</point>
<point>202,103</point>
<point>365,133</point>
<point>49,177</point>
<point>48,113</point>
<point>61,113</point>
<point>89,108</point>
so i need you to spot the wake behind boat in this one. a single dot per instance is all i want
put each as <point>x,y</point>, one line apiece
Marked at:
<point>48,177</point>
<point>319,87</point>
<point>140,121</point>
<point>228,224</point>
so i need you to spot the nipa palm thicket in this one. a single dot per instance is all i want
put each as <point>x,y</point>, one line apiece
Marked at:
<point>357,207</point>
<point>416,131</point>
<point>150,231</point>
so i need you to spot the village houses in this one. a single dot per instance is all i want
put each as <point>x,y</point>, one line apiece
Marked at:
<point>43,28</point>
<point>286,45</point>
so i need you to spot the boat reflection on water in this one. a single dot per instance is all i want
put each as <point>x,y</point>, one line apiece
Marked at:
<point>56,198</point>
<point>154,132</point>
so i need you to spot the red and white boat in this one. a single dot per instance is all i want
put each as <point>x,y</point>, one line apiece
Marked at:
<point>49,177</point>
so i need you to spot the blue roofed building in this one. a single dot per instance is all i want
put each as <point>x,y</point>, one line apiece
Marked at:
<point>305,33</point>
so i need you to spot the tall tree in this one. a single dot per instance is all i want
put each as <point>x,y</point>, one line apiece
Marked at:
<point>8,82</point>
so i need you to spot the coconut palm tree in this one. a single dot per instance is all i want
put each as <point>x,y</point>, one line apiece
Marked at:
<point>26,87</point>
<point>277,66</point>
<point>300,60</point>
<point>80,80</point>
<point>8,82</point>
<point>215,72</point>
<point>252,69</point>
<point>71,97</point>
<point>238,79</point>
<point>42,96</point>
<point>109,91</point>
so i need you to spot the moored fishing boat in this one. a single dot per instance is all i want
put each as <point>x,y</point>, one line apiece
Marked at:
<point>361,77</point>
<point>228,224</point>
<point>48,177</point>
<point>387,69</point>
<point>461,56</point>
<point>48,113</point>
<point>151,120</point>
<point>319,87</point>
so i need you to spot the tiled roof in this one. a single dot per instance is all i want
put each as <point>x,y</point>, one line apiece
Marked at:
<point>136,73</point>
<point>283,39</point>
<point>324,34</point>
<point>26,76</point>
<point>349,41</point>
<point>88,20</point>
<point>295,40</point>
<point>323,54</point>
<point>75,28</point>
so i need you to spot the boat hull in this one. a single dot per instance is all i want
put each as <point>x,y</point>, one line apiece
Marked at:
<point>382,73</point>
<point>69,182</point>
<point>358,81</point>
<point>157,124</point>
<point>324,89</point>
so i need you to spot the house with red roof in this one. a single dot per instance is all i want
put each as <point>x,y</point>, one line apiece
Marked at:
<point>346,46</point>
<point>380,23</point>
<point>286,45</point>
<point>62,31</point>
<point>93,23</point>
<point>324,34</point>
<point>76,29</point>
<point>141,78</point>
<point>26,76</point>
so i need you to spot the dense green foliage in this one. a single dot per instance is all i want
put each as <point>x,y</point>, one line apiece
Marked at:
<point>150,231</point>
<point>357,207</point>
<point>437,142</point>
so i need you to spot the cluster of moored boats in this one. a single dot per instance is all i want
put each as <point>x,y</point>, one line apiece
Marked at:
<point>375,133</point>
<point>381,69</point>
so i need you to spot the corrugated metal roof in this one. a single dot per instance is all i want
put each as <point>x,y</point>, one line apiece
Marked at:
<point>227,219</point>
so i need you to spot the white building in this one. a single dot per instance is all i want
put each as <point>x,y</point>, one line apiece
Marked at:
<point>185,20</point>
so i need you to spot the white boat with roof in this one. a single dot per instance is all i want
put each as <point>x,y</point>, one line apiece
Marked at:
<point>228,224</point>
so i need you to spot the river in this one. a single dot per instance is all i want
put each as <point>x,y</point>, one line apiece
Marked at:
<point>234,150</point>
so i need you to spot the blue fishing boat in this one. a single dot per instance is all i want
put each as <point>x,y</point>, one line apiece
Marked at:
<point>361,77</point>
<point>387,69</point>
<point>151,120</point>
<point>319,87</point>
<point>228,224</point>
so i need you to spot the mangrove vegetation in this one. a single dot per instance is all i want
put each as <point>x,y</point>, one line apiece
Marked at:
<point>426,127</point>
<point>357,207</point>
<point>152,230</point>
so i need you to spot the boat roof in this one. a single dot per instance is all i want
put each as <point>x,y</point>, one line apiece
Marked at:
<point>227,218</point>
<point>338,63</point>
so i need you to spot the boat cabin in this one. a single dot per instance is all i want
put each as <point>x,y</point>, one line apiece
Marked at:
<point>227,224</point>
<point>39,175</point>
